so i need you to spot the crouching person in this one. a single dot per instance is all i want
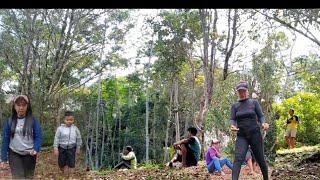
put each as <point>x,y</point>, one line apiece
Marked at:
<point>129,160</point>
<point>215,159</point>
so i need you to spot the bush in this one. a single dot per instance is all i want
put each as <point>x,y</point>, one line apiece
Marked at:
<point>307,107</point>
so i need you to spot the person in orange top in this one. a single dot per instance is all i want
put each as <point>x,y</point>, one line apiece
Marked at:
<point>292,125</point>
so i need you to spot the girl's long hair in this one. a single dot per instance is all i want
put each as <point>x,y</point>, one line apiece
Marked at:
<point>28,124</point>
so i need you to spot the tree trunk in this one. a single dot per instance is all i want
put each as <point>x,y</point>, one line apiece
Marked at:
<point>113,140</point>
<point>229,50</point>
<point>97,126</point>
<point>147,125</point>
<point>176,107</point>
<point>103,135</point>
<point>208,69</point>
<point>154,129</point>
<point>91,142</point>
<point>89,147</point>
<point>147,104</point>
<point>166,153</point>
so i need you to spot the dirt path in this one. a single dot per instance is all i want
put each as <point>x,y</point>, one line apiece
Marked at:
<point>47,168</point>
<point>199,172</point>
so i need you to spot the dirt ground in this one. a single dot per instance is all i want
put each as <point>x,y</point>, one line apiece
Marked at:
<point>47,168</point>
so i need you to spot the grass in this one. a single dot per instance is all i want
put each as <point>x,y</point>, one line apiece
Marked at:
<point>151,166</point>
<point>299,150</point>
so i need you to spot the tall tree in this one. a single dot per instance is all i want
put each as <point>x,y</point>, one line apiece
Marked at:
<point>303,21</point>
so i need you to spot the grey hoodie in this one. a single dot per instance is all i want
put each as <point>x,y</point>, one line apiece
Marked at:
<point>21,144</point>
<point>67,137</point>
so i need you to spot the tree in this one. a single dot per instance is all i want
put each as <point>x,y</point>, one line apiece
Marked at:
<point>175,34</point>
<point>303,21</point>
<point>53,52</point>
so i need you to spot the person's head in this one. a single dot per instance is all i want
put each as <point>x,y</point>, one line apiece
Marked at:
<point>242,89</point>
<point>291,112</point>
<point>215,143</point>
<point>68,118</point>
<point>21,108</point>
<point>128,149</point>
<point>192,131</point>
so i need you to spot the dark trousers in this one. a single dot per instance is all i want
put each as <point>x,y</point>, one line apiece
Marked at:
<point>67,157</point>
<point>254,139</point>
<point>22,166</point>
<point>190,159</point>
<point>124,164</point>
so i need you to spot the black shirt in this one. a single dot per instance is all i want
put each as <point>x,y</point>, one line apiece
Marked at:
<point>244,114</point>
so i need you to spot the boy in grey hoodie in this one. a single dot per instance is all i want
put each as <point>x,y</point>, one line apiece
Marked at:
<point>67,142</point>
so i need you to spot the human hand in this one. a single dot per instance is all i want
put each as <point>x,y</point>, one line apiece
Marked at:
<point>265,126</point>
<point>234,128</point>
<point>56,152</point>
<point>176,146</point>
<point>33,152</point>
<point>3,165</point>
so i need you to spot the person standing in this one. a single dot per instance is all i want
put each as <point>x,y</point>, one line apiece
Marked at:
<point>292,126</point>
<point>244,114</point>
<point>22,139</point>
<point>67,142</point>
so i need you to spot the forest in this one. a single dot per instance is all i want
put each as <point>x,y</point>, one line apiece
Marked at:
<point>141,77</point>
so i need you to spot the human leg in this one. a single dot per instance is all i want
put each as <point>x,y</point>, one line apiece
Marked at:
<point>256,143</point>
<point>288,138</point>
<point>251,166</point>
<point>16,165</point>
<point>214,165</point>
<point>29,164</point>
<point>293,137</point>
<point>241,149</point>
<point>191,159</point>
<point>184,154</point>
<point>62,160</point>
<point>70,160</point>
<point>226,161</point>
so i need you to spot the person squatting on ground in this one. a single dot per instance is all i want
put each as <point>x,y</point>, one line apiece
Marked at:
<point>244,115</point>
<point>291,133</point>
<point>21,139</point>
<point>190,148</point>
<point>67,142</point>
<point>129,160</point>
<point>215,159</point>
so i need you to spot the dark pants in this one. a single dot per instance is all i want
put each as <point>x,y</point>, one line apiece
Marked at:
<point>22,166</point>
<point>254,139</point>
<point>67,157</point>
<point>124,164</point>
<point>190,159</point>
